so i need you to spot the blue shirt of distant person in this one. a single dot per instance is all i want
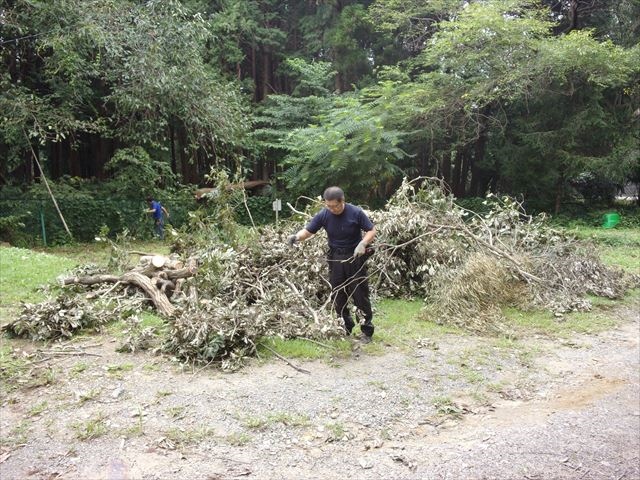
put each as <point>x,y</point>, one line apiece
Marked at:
<point>159,213</point>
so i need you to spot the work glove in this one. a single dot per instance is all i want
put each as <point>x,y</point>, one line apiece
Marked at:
<point>292,239</point>
<point>360,249</point>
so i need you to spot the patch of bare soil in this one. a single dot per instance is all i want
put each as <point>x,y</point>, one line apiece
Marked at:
<point>456,407</point>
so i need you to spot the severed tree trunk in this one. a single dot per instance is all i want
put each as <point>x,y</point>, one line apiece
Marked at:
<point>158,297</point>
<point>90,280</point>
<point>156,275</point>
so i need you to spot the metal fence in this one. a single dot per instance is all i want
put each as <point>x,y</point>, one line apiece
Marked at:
<point>36,221</point>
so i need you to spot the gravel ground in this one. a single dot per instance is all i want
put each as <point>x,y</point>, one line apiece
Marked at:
<point>451,407</point>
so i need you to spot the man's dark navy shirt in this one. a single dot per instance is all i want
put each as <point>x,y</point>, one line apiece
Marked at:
<point>344,230</point>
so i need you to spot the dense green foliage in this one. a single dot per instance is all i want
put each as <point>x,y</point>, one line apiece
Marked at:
<point>533,98</point>
<point>90,209</point>
<point>112,73</point>
<point>99,209</point>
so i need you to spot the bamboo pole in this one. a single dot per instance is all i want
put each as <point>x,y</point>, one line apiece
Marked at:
<point>35,157</point>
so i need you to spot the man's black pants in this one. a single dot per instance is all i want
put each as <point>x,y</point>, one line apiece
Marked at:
<point>349,280</point>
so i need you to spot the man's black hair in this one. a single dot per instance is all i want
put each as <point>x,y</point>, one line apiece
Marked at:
<point>333,193</point>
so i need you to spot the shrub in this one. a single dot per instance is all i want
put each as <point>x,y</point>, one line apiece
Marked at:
<point>261,211</point>
<point>12,229</point>
<point>475,204</point>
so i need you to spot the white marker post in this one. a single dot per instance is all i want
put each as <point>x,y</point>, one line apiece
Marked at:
<point>277,206</point>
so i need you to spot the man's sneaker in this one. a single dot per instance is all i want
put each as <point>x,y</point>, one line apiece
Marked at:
<point>365,339</point>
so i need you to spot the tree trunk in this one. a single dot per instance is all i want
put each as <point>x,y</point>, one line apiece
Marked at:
<point>254,73</point>
<point>75,166</point>
<point>422,165</point>
<point>32,164</point>
<point>174,161</point>
<point>445,168</point>
<point>266,74</point>
<point>479,151</point>
<point>98,155</point>
<point>338,84</point>
<point>559,193</point>
<point>573,15</point>
<point>457,182</point>
<point>55,164</point>
<point>469,162</point>
<point>184,160</point>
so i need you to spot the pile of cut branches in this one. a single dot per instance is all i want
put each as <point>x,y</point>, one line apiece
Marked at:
<point>58,317</point>
<point>264,289</point>
<point>468,266</point>
<point>220,300</point>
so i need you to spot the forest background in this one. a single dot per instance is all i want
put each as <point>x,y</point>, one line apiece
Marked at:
<point>116,100</point>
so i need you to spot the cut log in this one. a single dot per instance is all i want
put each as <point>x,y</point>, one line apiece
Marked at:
<point>179,283</point>
<point>149,266</point>
<point>158,297</point>
<point>166,286</point>
<point>189,270</point>
<point>158,261</point>
<point>89,279</point>
<point>181,273</point>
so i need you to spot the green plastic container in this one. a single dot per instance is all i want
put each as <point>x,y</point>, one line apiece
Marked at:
<point>610,220</point>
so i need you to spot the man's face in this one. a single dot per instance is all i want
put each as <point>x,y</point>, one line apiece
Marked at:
<point>335,206</point>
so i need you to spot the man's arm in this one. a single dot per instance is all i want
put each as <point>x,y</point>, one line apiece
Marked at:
<point>300,236</point>
<point>166,212</point>
<point>369,236</point>
<point>366,240</point>
<point>303,234</point>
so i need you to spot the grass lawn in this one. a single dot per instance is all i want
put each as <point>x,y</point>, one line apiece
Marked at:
<point>618,247</point>
<point>23,272</point>
<point>396,321</point>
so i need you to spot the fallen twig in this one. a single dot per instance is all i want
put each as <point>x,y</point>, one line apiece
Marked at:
<point>57,353</point>
<point>318,343</point>
<point>143,254</point>
<point>292,365</point>
<point>91,345</point>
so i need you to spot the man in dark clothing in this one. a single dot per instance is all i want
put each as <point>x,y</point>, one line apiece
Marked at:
<point>158,212</point>
<point>344,224</point>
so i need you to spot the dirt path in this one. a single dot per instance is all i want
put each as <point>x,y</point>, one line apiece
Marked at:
<point>452,407</point>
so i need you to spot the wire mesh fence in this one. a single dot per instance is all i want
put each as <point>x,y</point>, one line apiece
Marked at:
<point>36,221</point>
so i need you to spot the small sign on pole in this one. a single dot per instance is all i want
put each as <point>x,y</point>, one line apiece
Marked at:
<point>277,206</point>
